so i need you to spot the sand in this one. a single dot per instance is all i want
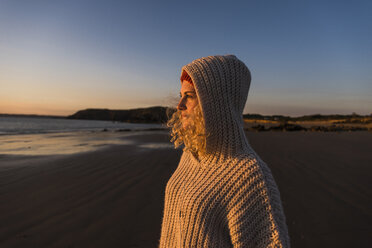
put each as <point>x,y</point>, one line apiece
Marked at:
<point>113,197</point>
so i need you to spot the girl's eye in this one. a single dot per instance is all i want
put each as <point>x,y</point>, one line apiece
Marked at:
<point>187,96</point>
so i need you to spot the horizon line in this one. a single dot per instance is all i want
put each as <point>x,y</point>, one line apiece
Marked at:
<point>62,116</point>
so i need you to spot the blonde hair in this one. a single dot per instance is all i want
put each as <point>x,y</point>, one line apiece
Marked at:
<point>193,137</point>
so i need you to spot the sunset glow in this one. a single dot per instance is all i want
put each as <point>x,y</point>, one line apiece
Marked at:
<point>61,57</point>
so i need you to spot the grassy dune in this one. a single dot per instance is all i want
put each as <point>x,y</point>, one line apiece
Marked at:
<point>359,123</point>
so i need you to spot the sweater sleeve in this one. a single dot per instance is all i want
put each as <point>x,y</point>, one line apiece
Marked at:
<point>255,216</point>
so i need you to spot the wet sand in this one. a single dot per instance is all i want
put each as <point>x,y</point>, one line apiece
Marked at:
<point>113,197</point>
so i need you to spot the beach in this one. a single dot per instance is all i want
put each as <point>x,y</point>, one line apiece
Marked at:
<point>113,196</point>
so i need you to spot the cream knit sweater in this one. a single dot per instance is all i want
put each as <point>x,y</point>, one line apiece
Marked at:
<point>227,198</point>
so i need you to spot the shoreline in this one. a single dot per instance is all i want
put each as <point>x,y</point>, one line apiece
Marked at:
<point>57,143</point>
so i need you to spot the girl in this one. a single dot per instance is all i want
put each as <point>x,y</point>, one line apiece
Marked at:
<point>221,194</point>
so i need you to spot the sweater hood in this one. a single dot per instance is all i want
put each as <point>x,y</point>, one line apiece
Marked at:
<point>222,83</point>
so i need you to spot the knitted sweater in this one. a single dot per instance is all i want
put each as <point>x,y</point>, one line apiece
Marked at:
<point>228,197</point>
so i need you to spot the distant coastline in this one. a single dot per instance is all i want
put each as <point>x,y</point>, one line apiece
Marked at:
<point>33,116</point>
<point>252,122</point>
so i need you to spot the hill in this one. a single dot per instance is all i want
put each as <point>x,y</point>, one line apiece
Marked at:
<point>155,114</point>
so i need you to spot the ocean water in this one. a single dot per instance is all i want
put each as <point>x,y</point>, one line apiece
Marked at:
<point>31,125</point>
<point>51,136</point>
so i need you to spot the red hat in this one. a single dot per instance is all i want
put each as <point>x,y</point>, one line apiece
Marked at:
<point>186,77</point>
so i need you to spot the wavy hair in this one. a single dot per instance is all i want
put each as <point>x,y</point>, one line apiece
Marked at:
<point>193,137</point>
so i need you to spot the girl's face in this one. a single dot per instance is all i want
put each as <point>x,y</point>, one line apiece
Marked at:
<point>188,102</point>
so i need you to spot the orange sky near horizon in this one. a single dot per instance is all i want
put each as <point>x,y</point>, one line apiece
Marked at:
<point>52,93</point>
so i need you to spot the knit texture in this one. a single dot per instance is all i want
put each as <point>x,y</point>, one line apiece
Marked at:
<point>228,197</point>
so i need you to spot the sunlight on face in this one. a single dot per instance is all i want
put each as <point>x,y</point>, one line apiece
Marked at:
<point>188,102</point>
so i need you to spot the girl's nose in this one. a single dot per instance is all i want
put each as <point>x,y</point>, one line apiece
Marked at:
<point>181,105</point>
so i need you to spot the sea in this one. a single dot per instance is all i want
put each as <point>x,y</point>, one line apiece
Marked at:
<point>52,136</point>
<point>37,125</point>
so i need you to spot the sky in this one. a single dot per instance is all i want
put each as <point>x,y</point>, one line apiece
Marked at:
<point>306,57</point>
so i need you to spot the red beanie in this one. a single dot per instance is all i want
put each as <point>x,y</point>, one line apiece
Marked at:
<point>186,77</point>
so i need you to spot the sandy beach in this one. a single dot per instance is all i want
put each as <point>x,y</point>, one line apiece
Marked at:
<point>113,196</point>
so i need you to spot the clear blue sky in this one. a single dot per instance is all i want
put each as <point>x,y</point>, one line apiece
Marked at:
<point>306,57</point>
